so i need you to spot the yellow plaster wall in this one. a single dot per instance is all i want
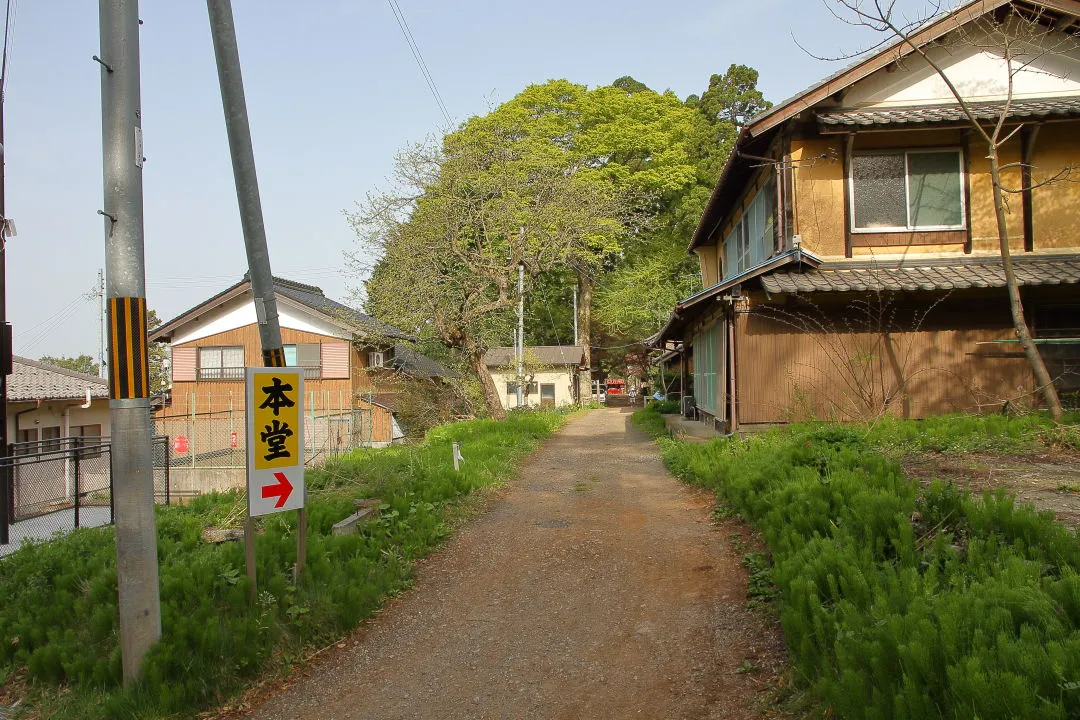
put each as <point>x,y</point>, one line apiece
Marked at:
<point>819,196</point>
<point>707,258</point>
<point>984,230</point>
<point>1056,207</point>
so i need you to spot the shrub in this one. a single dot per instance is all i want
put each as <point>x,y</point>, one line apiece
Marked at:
<point>58,599</point>
<point>900,605</point>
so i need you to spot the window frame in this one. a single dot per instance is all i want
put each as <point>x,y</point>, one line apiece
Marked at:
<point>961,157</point>
<point>221,377</point>
<point>311,372</point>
<point>738,236</point>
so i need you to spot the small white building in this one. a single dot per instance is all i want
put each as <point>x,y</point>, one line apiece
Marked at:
<point>46,402</point>
<point>551,374</point>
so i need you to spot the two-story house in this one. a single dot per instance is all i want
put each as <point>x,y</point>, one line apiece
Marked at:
<point>850,253</point>
<point>349,371</point>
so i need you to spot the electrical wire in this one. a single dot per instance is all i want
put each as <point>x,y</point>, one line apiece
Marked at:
<point>399,15</point>
<point>11,13</point>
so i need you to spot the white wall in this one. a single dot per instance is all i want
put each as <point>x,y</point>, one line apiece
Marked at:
<point>562,379</point>
<point>240,312</point>
<point>977,72</point>
<point>51,414</point>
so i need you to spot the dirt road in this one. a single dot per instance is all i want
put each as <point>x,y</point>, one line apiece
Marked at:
<point>595,586</point>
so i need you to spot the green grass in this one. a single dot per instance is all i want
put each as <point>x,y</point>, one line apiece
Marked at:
<point>58,599</point>
<point>897,603</point>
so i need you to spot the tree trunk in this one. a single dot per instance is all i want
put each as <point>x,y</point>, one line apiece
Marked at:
<point>585,286</point>
<point>491,393</point>
<point>1023,333</point>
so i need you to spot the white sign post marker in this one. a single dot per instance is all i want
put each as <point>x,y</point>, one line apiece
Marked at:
<point>274,420</point>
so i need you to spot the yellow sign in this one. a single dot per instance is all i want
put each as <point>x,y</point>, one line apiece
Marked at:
<point>276,413</point>
<point>275,439</point>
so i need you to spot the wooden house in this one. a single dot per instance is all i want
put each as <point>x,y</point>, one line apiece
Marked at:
<point>850,253</point>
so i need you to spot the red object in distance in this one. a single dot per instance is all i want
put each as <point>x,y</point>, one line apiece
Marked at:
<point>282,490</point>
<point>232,439</point>
<point>180,444</point>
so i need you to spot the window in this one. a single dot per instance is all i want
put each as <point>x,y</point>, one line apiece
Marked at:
<point>89,436</point>
<point>221,363</point>
<point>914,190</point>
<point>751,239</point>
<point>511,388</point>
<point>50,434</point>
<point>29,435</point>
<point>307,356</point>
<point>547,392</point>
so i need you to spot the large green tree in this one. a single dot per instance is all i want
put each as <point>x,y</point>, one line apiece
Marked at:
<point>463,217</point>
<point>83,363</point>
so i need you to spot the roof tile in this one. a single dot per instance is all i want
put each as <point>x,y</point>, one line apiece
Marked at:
<point>940,275</point>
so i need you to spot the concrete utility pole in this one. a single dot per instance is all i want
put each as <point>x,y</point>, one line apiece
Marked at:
<point>129,378</point>
<point>6,491</point>
<point>521,336</point>
<point>575,316</point>
<point>227,54</point>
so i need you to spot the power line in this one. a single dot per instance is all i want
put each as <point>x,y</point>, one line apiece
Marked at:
<point>399,15</point>
<point>11,12</point>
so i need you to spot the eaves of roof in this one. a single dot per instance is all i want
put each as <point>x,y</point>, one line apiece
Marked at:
<point>692,307</point>
<point>877,59</point>
<point>308,296</point>
<point>926,275</point>
<point>861,118</point>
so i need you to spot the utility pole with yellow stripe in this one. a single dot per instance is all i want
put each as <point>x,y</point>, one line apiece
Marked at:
<point>129,379</point>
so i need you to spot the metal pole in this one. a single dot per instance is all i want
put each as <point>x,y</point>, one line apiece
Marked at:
<point>6,489</point>
<point>77,487</point>
<point>227,55</point>
<point>129,383</point>
<point>521,336</point>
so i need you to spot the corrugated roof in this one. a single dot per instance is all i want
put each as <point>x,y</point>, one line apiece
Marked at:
<point>537,354</point>
<point>935,275</point>
<point>32,380</point>
<point>1041,107</point>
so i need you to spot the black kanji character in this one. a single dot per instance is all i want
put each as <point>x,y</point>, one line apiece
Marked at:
<point>276,397</point>
<point>274,437</point>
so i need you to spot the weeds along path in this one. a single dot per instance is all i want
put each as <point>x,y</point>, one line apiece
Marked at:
<point>596,586</point>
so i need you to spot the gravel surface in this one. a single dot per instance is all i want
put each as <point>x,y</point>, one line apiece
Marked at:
<point>595,586</point>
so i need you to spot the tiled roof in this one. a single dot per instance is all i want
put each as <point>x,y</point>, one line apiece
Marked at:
<point>32,380</point>
<point>539,354</point>
<point>308,295</point>
<point>938,275</point>
<point>411,362</point>
<point>1043,107</point>
<point>313,297</point>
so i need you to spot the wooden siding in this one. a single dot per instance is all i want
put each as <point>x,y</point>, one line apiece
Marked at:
<point>786,375</point>
<point>905,239</point>
<point>222,395</point>
<point>382,428</point>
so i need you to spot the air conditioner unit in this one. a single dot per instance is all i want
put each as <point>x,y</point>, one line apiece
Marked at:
<point>376,359</point>
<point>688,406</point>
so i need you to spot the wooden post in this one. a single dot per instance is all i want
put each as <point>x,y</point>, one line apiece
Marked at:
<point>249,554</point>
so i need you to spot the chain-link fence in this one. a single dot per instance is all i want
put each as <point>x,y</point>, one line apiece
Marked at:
<point>209,449</point>
<point>60,484</point>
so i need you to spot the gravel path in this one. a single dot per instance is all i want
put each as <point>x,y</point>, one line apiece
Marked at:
<point>595,586</point>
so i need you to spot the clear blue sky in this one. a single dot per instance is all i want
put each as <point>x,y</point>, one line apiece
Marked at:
<point>332,93</point>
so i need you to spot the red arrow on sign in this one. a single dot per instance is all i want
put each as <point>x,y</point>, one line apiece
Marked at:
<point>282,490</point>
